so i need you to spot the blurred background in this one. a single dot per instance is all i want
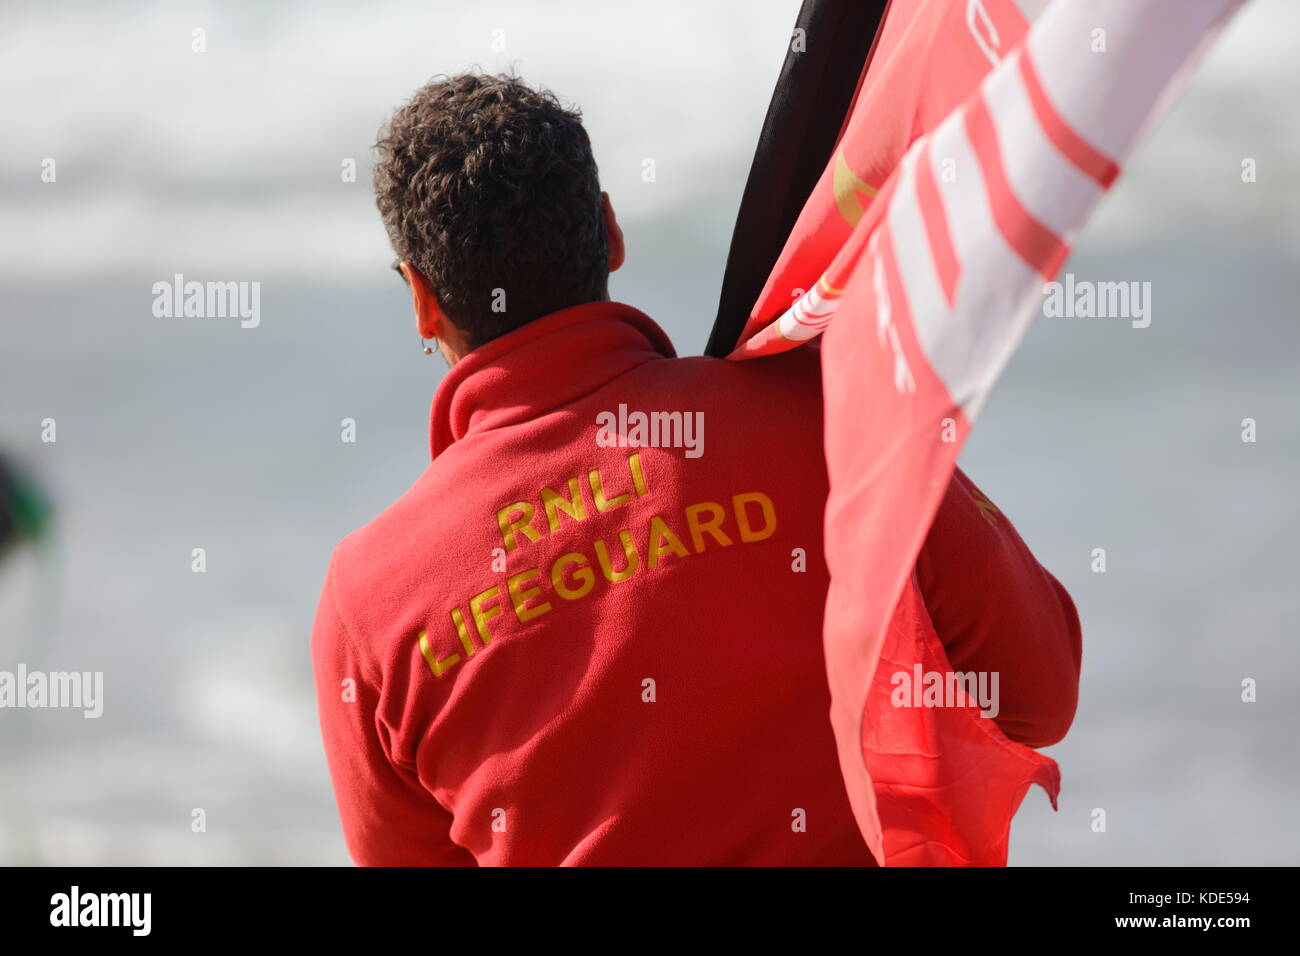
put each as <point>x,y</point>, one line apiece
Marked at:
<point>175,434</point>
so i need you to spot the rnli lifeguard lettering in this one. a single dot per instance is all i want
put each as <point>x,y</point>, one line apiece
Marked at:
<point>748,516</point>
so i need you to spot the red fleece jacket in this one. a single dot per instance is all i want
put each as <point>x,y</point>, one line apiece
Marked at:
<point>556,650</point>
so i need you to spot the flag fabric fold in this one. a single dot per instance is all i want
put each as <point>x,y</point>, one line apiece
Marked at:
<point>975,149</point>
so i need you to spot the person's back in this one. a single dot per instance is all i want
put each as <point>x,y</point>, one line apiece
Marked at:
<point>591,632</point>
<point>593,654</point>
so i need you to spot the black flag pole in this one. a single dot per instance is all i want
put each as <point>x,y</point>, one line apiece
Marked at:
<point>813,94</point>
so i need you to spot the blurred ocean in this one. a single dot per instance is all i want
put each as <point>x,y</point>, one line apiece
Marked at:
<point>176,434</point>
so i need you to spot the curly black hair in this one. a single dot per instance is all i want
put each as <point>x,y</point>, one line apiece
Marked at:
<point>488,186</point>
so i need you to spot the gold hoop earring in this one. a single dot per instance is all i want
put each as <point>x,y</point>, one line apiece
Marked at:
<point>425,347</point>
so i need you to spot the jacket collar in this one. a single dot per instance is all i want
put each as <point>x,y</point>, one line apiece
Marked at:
<point>542,365</point>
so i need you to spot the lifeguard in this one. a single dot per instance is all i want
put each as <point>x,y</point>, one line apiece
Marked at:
<point>573,576</point>
<point>555,650</point>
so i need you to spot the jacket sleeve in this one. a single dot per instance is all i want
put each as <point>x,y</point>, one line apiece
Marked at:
<point>997,610</point>
<point>389,818</point>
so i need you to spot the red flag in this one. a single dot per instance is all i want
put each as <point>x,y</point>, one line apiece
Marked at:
<point>976,148</point>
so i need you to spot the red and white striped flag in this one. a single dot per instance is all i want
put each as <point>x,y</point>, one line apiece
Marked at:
<point>975,150</point>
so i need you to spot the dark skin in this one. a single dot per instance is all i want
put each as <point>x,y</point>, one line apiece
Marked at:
<point>433,323</point>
